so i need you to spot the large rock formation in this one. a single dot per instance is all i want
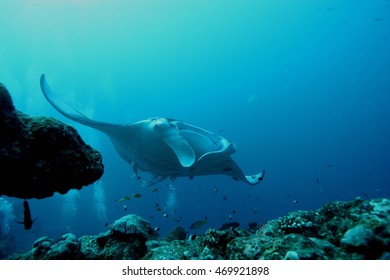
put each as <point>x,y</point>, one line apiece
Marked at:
<point>40,155</point>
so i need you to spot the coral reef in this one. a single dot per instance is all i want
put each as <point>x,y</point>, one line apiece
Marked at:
<point>125,239</point>
<point>358,229</point>
<point>178,233</point>
<point>47,155</point>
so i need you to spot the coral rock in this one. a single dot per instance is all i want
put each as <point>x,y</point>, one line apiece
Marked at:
<point>133,225</point>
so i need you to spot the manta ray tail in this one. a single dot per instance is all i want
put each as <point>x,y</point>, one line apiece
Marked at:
<point>66,110</point>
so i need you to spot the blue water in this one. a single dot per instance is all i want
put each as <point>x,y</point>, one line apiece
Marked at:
<point>301,87</point>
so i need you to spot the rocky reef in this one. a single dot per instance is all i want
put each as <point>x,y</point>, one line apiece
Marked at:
<point>125,239</point>
<point>358,229</point>
<point>40,155</point>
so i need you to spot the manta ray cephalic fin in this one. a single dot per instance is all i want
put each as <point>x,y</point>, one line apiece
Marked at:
<point>179,145</point>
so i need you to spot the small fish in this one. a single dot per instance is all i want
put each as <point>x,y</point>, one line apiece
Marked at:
<point>255,210</point>
<point>157,229</point>
<point>295,201</point>
<point>225,197</point>
<point>230,216</point>
<point>215,190</point>
<point>154,190</point>
<point>125,207</point>
<point>27,221</point>
<point>317,181</point>
<point>123,199</point>
<point>175,220</point>
<point>199,223</point>
<point>192,237</point>
<point>136,195</point>
<point>165,215</point>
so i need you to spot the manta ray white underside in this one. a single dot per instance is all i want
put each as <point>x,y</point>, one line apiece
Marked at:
<point>164,147</point>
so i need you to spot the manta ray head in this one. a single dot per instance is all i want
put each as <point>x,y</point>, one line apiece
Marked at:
<point>160,125</point>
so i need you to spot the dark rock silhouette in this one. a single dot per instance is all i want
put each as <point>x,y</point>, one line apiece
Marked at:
<point>41,155</point>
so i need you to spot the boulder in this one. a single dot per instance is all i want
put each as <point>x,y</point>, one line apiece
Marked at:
<point>132,225</point>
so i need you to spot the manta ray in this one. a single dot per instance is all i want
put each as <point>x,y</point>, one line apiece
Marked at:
<point>163,147</point>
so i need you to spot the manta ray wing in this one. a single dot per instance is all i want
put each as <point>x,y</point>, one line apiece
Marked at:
<point>66,110</point>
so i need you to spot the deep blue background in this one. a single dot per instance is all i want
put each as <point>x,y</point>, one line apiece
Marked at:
<point>302,87</point>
